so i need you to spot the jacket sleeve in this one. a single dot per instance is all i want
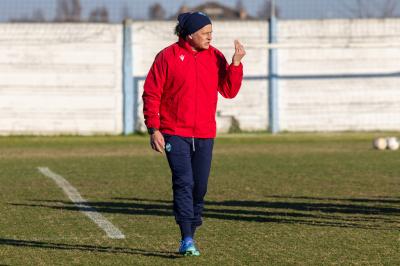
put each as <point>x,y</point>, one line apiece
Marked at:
<point>152,91</point>
<point>229,77</point>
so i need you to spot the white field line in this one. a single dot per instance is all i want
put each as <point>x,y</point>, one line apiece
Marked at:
<point>76,198</point>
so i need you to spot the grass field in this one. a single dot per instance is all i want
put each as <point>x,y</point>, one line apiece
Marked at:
<point>291,199</point>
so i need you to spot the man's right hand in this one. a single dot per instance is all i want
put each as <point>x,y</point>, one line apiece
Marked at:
<point>157,142</point>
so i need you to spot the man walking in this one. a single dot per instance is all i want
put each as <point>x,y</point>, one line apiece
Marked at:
<point>179,104</point>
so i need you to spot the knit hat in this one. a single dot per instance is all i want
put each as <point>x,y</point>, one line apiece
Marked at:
<point>191,22</point>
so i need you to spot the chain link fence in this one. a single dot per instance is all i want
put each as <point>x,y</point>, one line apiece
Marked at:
<point>330,66</point>
<point>115,11</point>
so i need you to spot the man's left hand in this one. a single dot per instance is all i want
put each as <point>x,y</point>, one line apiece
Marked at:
<point>239,53</point>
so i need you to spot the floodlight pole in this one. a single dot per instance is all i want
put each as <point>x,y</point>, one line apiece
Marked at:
<point>273,74</point>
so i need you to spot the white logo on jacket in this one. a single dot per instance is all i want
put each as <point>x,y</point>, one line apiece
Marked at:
<point>182,57</point>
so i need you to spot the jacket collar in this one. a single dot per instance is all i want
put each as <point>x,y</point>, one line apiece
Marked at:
<point>185,45</point>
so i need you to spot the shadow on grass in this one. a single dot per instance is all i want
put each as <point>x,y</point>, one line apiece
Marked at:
<point>89,248</point>
<point>337,212</point>
<point>382,200</point>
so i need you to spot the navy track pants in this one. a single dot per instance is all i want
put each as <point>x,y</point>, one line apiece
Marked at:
<point>190,163</point>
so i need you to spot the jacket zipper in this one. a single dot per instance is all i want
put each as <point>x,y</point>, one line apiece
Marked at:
<point>195,102</point>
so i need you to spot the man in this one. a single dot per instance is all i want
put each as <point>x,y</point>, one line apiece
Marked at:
<point>179,104</point>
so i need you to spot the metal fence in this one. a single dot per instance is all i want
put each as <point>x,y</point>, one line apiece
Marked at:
<point>300,75</point>
<point>115,11</point>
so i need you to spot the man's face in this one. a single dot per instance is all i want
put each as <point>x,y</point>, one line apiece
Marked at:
<point>201,39</point>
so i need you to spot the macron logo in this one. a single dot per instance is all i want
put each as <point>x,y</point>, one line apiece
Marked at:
<point>182,57</point>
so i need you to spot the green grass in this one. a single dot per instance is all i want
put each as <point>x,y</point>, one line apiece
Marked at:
<point>290,199</point>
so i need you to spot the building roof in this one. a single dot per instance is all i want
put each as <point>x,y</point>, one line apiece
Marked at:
<point>216,11</point>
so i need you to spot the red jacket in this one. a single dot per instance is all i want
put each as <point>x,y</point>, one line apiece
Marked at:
<point>181,90</point>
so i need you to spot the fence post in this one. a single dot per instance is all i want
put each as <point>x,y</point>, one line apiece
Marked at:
<point>273,77</point>
<point>128,90</point>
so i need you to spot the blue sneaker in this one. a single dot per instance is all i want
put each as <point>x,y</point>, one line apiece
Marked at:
<point>187,248</point>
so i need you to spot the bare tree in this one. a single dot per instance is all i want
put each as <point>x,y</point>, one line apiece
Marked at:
<point>156,11</point>
<point>76,10</point>
<point>61,11</point>
<point>37,17</point>
<point>241,9</point>
<point>266,10</point>
<point>99,14</point>
<point>183,9</point>
<point>68,11</point>
<point>126,12</point>
<point>239,5</point>
<point>371,9</point>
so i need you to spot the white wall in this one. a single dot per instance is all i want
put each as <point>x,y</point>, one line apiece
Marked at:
<point>60,79</point>
<point>67,78</point>
<point>312,103</point>
<point>320,89</point>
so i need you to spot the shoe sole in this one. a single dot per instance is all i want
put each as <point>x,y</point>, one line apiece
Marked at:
<point>191,254</point>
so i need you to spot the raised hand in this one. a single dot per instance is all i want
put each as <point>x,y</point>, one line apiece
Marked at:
<point>239,53</point>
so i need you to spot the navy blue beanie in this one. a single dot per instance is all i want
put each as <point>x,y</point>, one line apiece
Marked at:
<point>192,21</point>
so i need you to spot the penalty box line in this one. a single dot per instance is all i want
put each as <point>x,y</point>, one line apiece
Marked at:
<point>81,203</point>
